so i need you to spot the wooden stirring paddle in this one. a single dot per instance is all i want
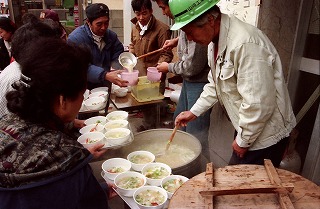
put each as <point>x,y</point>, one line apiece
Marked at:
<point>171,137</point>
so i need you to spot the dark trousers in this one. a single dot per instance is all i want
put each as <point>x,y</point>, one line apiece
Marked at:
<point>274,153</point>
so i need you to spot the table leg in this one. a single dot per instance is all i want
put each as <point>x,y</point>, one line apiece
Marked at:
<point>158,115</point>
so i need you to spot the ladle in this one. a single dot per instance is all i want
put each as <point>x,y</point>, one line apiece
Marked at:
<point>128,60</point>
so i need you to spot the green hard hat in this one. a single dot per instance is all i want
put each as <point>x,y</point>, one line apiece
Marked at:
<point>185,11</point>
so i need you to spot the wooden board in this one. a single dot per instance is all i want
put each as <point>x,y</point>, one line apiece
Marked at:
<point>305,194</point>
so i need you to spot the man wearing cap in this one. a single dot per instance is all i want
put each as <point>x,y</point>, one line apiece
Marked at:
<point>246,79</point>
<point>103,44</point>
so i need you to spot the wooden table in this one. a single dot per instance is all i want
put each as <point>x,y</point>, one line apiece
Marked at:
<point>129,103</point>
<point>305,194</point>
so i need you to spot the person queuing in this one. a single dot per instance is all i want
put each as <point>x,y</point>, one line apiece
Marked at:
<point>41,163</point>
<point>51,14</point>
<point>193,68</point>
<point>147,35</point>
<point>104,46</point>
<point>246,79</point>
<point>7,29</point>
<point>23,36</point>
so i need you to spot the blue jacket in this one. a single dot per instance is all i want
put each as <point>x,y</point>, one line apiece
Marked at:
<point>101,60</point>
<point>76,189</point>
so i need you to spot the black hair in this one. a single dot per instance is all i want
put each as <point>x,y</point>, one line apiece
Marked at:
<point>138,5</point>
<point>165,2</point>
<point>54,68</point>
<point>29,18</point>
<point>28,33</point>
<point>7,25</point>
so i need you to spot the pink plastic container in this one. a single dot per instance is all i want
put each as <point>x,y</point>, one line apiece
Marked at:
<point>153,74</point>
<point>131,77</point>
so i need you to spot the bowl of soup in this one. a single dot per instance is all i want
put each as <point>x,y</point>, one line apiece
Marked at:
<point>96,119</point>
<point>128,182</point>
<point>91,139</point>
<point>155,172</point>
<point>140,158</point>
<point>150,197</point>
<point>92,128</point>
<point>117,136</point>
<point>95,103</point>
<point>117,115</point>
<point>114,166</point>
<point>116,124</point>
<point>172,183</point>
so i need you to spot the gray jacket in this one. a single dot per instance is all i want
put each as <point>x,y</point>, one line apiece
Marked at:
<point>191,68</point>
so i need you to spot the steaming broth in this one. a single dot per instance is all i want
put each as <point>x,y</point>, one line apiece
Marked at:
<point>176,156</point>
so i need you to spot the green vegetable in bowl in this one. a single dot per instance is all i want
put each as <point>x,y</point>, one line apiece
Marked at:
<point>157,173</point>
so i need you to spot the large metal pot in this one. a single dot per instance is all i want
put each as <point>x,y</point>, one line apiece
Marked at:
<point>183,155</point>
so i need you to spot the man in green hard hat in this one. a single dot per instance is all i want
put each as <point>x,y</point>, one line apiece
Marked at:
<point>246,79</point>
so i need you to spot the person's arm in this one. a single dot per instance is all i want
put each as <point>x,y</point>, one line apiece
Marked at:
<point>207,98</point>
<point>170,43</point>
<point>192,62</point>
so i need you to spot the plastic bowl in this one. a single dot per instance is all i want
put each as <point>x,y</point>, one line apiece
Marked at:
<point>98,138</point>
<point>117,115</point>
<point>149,190</point>
<point>96,119</point>
<point>155,168</point>
<point>95,103</point>
<point>138,155</point>
<point>92,128</point>
<point>128,192</point>
<point>103,94</point>
<point>117,136</point>
<point>121,92</point>
<point>131,77</point>
<point>103,88</point>
<point>114,166</point>
<point>116,124</point>
<point>172,187</point>
<point>153,74</point>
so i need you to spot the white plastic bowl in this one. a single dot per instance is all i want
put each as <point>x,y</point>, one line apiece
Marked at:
<point>92,128</point>
<point>95,103</point>
<point>103,88</point>
<point>98,136</point>
<point>150,188</point>
<point>117,115</point>
<point>139,166</point>
<point>121,92</point>
<point>103,94</point>
<point>96,119</point>
<point>128,192</point>
<point>155,181</point>
<point>114,87</point>
<point>116,124</point>
<point>113,163</point>
<point>117,136</point>
<point>183,179</point>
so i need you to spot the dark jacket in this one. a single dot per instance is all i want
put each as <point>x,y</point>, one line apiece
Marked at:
<point>76,189</point>
<point>4,56</point>
<point>101,60</point>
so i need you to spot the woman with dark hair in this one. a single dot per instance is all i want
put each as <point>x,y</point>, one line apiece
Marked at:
<point>7,28</point>
<point>41,163</point>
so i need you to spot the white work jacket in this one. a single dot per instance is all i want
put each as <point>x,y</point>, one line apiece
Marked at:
<point>247,79</point>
